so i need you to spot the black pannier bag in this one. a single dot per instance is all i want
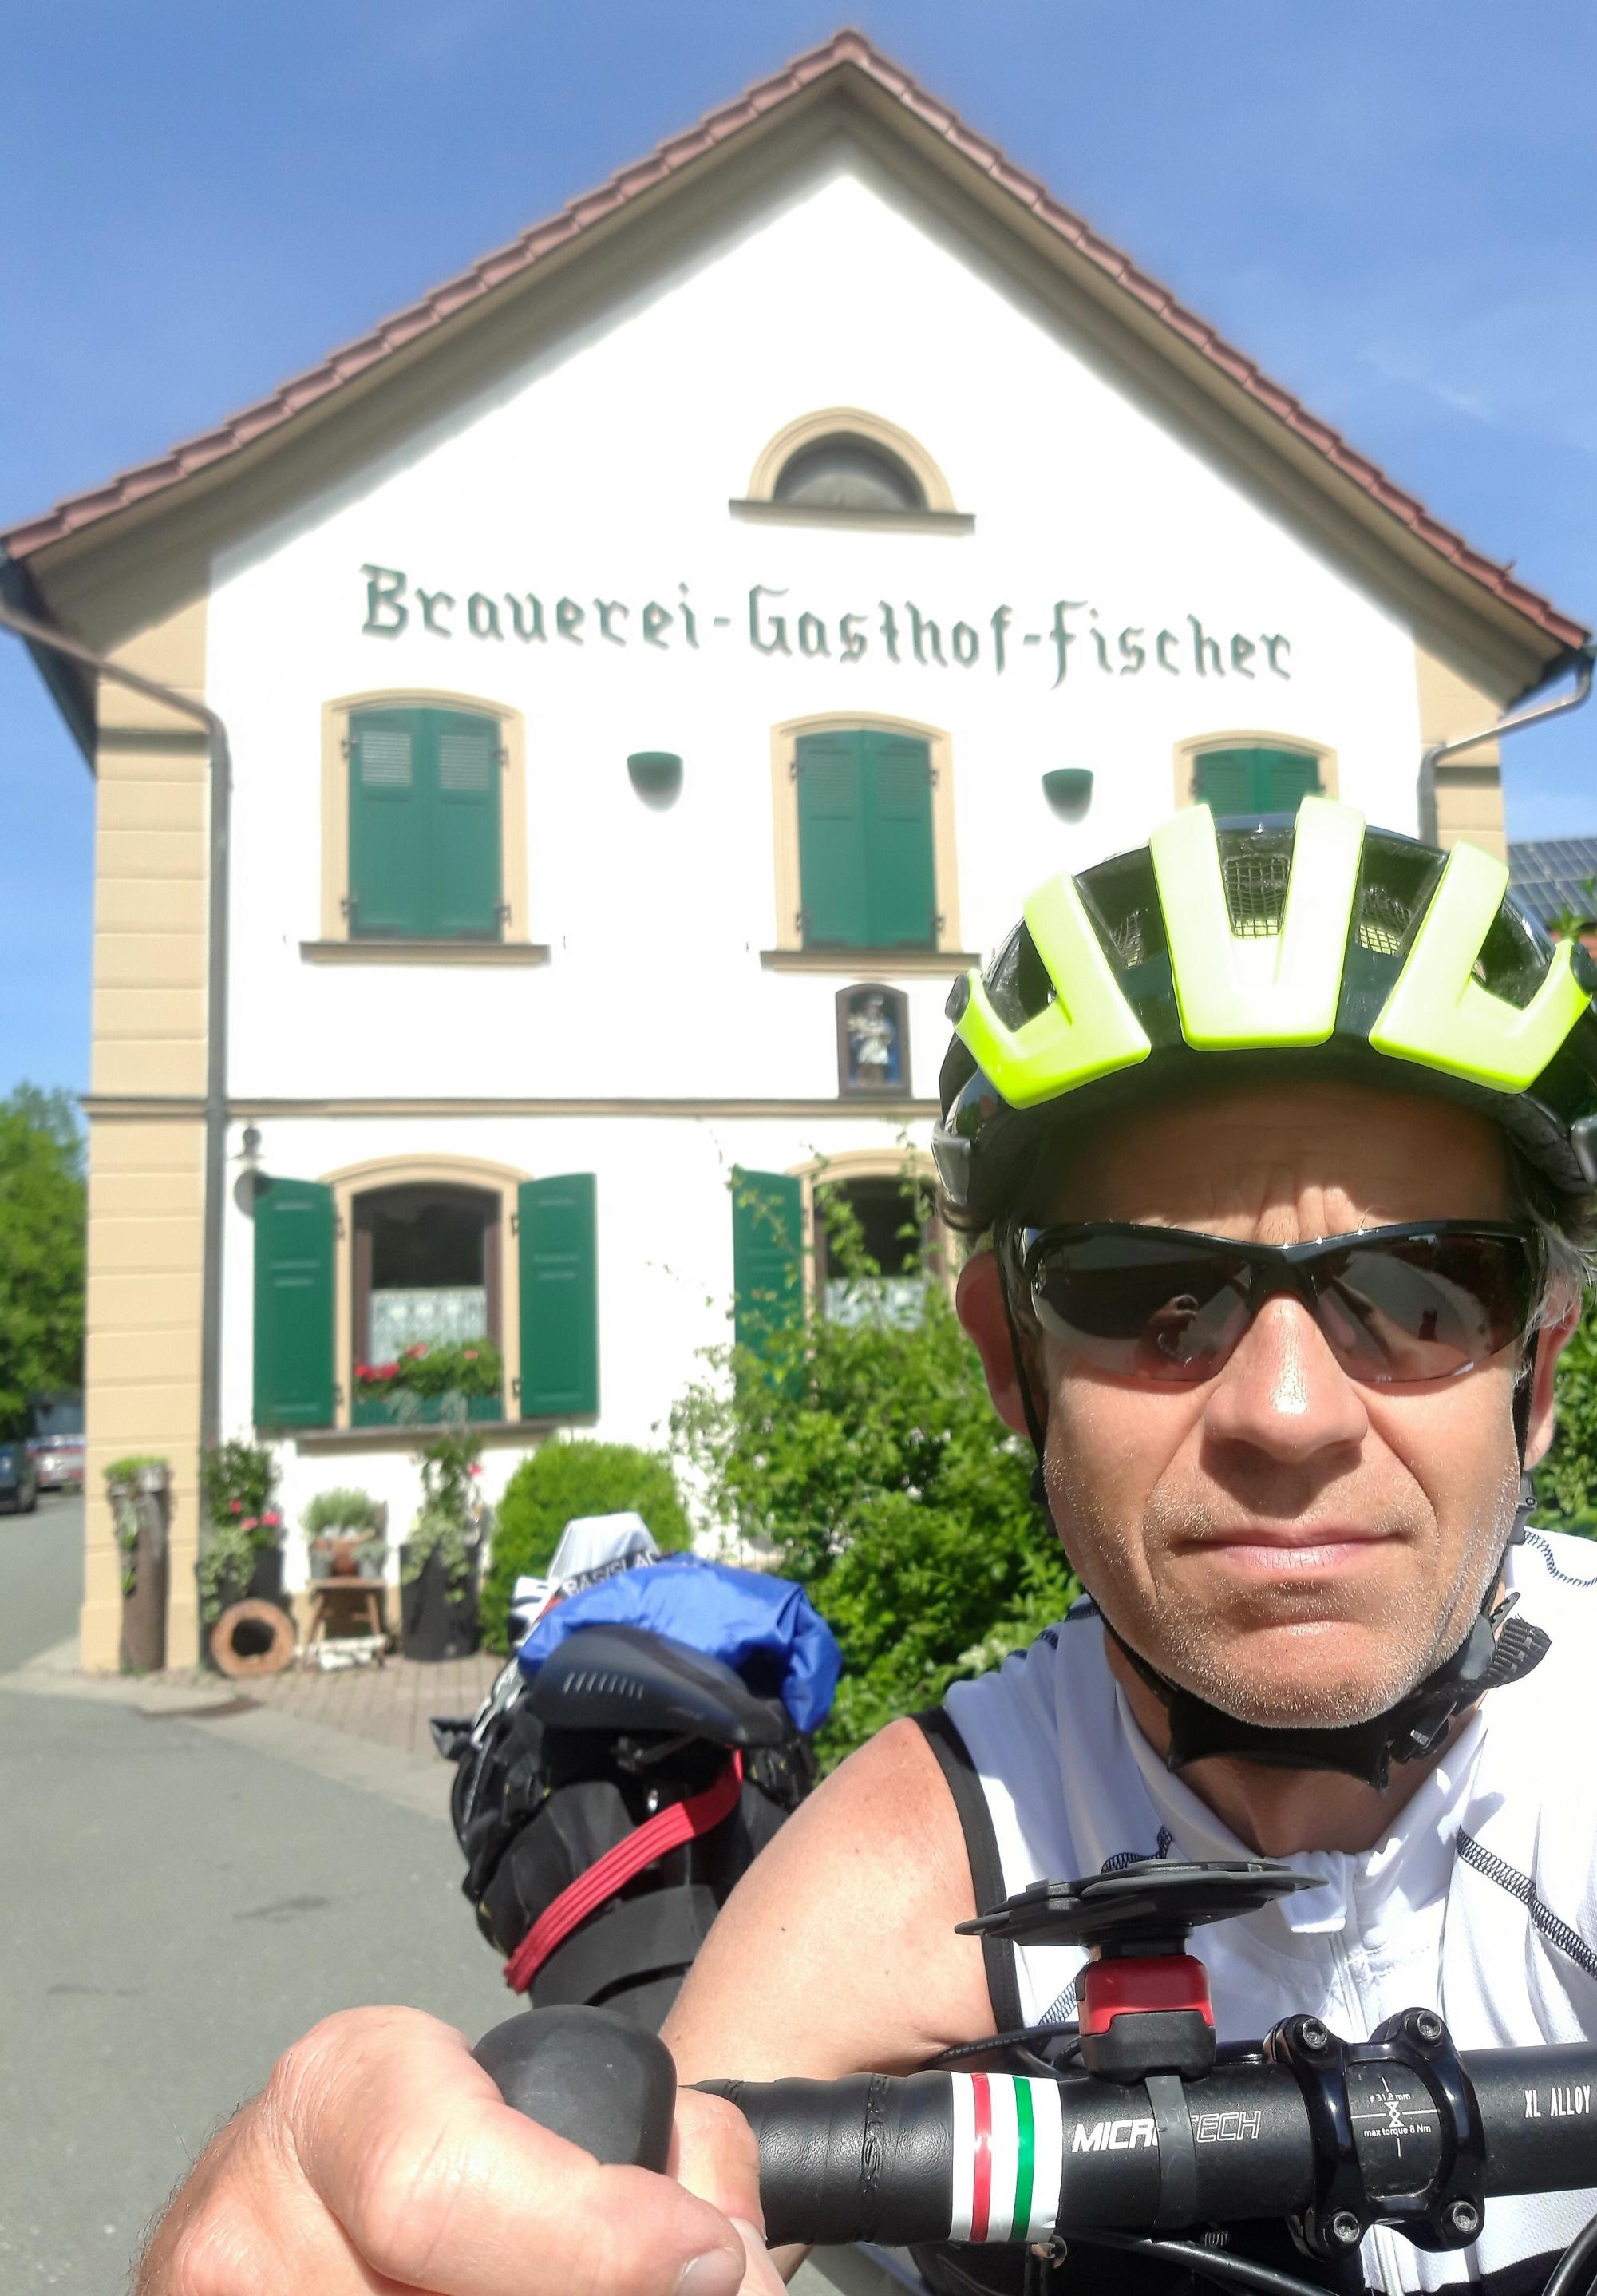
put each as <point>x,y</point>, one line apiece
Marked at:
<point>608,1807</point>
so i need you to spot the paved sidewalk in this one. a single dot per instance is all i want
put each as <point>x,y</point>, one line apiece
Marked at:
<point>391,1703</point>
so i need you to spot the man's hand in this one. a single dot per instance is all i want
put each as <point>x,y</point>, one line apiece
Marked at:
<point>380,2157</point>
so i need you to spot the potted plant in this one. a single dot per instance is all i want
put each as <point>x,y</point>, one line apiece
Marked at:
<point>438,1562</point>
<point>138,1489</point>
<point>240,1553</point>
<point>432,1383</point>
<point>344,1535</point>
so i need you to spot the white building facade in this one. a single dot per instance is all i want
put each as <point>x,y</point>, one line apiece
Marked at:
<point>652,670</point>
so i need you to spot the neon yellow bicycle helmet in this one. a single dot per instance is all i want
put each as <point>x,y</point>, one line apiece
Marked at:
<point>1312,942</point>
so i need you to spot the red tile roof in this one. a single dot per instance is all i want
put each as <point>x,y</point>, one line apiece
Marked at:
<point>848,49</point>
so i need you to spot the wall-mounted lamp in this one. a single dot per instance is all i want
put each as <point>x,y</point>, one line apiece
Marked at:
<point>247,1186</point>
<point>1069,790</point>
<point>656,775</point>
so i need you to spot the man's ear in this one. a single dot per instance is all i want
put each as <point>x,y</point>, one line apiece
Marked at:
<point>1551,1342</point>
<point>979,1300</point>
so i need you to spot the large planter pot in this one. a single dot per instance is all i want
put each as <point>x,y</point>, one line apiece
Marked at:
<point>143,1640</point>
<point>264,1584</point>
<point>435,1624</point>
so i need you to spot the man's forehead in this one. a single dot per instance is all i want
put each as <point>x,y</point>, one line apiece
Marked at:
<point>1303,1157</point>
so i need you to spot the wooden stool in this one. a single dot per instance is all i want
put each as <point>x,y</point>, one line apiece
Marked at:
<point>324,1592</point>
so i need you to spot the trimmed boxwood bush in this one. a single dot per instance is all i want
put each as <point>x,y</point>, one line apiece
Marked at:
<point>566,1479</point>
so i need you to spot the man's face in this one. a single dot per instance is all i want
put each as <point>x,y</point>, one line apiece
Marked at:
<point>1293,1545</point>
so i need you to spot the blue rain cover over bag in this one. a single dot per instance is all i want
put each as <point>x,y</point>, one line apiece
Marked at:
<point>767,1630</point>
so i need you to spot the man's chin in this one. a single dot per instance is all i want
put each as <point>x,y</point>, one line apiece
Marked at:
<point>1324,1677</point>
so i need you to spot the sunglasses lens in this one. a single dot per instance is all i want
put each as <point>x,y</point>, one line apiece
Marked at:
<point>1424,1306</point>
<point>1398,1310</point>
<point>1142,1310</point>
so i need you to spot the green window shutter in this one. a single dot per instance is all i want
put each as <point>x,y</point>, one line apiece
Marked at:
<point>766,1268</point>
<point>900,863</point>
<point>832,841</point>
<point>390,778</point>
<point>558,1235</point>
<point>1284,778</point>
<point>466,826</point>
<point>1255,781</point>
<point>424,826</point>
<point>293,1303</point>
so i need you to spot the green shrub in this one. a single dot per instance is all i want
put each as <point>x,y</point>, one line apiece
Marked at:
<point>868,1454</point>
<point>1567,1479</point>
<point>566,1479</point>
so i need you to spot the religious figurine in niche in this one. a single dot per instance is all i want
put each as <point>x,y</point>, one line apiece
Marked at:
<point>873,1041</point>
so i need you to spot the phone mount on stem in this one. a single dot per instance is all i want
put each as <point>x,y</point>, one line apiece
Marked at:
<point>1142,1999</point>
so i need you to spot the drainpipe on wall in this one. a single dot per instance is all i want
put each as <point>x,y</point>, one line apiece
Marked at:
<point>42,636</point>
<point>1580,659</point>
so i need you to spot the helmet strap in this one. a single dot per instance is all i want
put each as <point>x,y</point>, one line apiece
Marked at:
<point>1499,1649</point>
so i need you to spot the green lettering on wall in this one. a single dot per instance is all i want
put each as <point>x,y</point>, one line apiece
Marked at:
<point>767,633</point>
<point>385,596</point>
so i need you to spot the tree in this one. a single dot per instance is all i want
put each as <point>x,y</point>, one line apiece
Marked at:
<point>1567,1479</point>
<point>42,1212</point>
<point>867,1455</point>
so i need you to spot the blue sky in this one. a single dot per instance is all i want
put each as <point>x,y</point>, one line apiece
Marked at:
<point>1392,204</point>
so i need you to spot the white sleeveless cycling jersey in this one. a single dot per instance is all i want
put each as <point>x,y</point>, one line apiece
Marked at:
<point>1481,1903</point>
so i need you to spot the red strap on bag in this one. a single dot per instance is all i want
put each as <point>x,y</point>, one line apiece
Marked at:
<point>667,1829</point>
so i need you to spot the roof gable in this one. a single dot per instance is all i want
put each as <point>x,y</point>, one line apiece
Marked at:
<point>847,67</point>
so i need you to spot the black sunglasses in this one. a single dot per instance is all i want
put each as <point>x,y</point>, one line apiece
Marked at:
<point>1395,1305</point>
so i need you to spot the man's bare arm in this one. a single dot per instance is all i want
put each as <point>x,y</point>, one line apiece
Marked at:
<point>836,1952</point>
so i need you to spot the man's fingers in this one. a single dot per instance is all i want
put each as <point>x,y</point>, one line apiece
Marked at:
<point>715,2155</point>
<point>438,2185</point>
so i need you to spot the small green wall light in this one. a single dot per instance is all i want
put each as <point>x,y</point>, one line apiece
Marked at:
<point>1069,790</point>
<point>656,775</point>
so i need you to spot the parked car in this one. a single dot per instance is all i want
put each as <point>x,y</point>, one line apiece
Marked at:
<point>19,1477</point>
<point>56,1445</point>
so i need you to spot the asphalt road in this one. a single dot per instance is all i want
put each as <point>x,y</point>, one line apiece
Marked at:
<point>41,1577</point>
<point>176,1908</point>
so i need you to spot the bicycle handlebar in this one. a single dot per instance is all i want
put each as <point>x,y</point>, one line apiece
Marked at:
<point>1003,2157</point>
<point>1331,2135</point>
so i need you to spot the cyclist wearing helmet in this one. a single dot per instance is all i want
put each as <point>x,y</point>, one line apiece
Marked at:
<point>1281,1139</point>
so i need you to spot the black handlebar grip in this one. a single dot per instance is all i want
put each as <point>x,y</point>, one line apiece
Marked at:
<point>604,2085</point>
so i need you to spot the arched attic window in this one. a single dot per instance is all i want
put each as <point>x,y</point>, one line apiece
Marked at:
<point>846,474</point>
<point>845,463</point>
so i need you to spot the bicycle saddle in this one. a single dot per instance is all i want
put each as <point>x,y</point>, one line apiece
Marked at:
<point>613,1677</point>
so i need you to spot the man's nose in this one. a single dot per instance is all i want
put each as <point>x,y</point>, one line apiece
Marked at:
<point>1284,1393</point>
